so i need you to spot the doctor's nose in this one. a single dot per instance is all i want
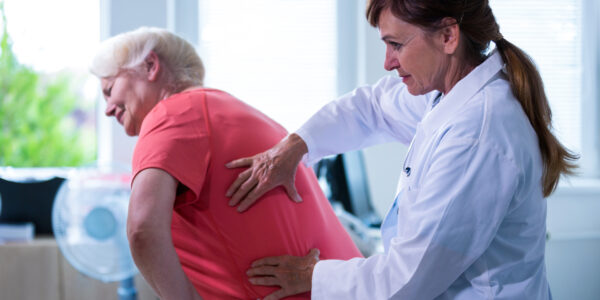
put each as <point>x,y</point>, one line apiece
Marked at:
<point>391,62</point>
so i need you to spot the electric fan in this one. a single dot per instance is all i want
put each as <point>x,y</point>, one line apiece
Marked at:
<point>89,223</point>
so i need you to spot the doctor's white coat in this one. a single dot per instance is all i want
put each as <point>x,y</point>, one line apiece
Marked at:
<point>469,219</point>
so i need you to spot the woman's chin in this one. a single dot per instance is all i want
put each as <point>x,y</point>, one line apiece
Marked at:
<point>130,130</point>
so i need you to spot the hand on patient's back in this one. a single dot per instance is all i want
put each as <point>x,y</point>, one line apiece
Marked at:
<point>292,273</point>
<point>267,170</point>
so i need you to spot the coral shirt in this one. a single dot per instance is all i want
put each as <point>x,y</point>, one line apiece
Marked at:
<point>192,135</point>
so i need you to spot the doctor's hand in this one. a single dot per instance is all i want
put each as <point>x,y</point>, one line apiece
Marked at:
<point>292,273</point>
<point>267,170</point>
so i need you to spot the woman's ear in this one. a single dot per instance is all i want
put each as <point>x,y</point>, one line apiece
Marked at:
<point>449,34</point>
<point>153,66</point>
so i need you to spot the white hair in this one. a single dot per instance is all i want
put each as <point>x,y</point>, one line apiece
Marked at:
<point>128,50</point>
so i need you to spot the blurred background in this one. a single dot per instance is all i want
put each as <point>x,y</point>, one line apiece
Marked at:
<point>287,58</point>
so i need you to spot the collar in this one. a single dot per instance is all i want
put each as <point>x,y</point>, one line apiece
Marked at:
<point>462,92</point>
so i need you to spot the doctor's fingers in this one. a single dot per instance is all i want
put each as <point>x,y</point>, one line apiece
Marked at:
<point>265,281</point>
<point>270,271</point>
<point>247,184</point>
<point>286,288</point>
<point>250,199</point>
<point>270,261</point>
<point>263,187</point>
<point>241,178</point>
<point>290,188</point>
<point>240,162</point>
<point>260,189</point>
<point>258,184</point>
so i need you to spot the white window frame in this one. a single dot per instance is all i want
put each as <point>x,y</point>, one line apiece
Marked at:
<point>590,156</point>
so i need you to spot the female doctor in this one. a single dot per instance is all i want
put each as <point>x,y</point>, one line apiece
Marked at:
<point>469,217</point>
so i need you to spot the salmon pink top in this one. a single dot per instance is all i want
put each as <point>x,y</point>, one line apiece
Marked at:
<point>192,135</point>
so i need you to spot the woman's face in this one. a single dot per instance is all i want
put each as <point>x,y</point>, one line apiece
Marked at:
<point>415,54</point>
<point>129,98</point>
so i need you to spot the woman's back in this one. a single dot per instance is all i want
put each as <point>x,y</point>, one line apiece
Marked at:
<point>216,244</point>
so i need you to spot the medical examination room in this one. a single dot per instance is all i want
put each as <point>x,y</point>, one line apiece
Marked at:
<point>328,149</point>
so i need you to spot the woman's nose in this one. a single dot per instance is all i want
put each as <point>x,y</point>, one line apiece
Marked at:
<point>110,109</point>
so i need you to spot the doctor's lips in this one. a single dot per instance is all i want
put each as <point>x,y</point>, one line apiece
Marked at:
<point>402,75</point>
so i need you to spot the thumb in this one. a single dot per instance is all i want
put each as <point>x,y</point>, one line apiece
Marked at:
<point>292,192</point>
<point>314,253</point>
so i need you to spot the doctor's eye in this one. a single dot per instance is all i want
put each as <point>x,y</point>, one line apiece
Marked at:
<point>396,46</point>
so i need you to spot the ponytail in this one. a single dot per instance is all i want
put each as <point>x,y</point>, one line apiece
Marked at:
<point>526,85</point>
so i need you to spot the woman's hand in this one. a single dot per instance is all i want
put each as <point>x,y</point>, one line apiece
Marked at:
<point>267,170</point>
<point>292,273</point>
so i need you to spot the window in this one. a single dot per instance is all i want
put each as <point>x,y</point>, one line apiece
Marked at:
<point>552,33</point>
<point>276,55</point>
<point>55,40</point>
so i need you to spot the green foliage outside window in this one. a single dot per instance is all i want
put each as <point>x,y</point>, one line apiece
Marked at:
<point>40,115</point>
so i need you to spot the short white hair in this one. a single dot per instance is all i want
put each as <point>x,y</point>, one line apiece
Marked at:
<point>128,50</point>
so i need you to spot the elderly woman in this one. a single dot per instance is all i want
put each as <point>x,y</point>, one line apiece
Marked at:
<point>469,220</point>
<point>184,238</point>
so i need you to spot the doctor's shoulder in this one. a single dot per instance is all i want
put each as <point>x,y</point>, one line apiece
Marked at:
<point>493,115</point>
<point>495,118</point>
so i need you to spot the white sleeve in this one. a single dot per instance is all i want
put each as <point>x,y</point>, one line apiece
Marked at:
<point>369,115</point>
<point>444,225</point>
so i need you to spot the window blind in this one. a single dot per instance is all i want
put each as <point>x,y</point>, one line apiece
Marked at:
<point>550,32</point>
<point>276,55</point>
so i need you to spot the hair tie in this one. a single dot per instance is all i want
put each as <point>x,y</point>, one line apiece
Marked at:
<point>499,38</point>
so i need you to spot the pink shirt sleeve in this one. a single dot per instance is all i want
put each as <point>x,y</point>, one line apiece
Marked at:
<point>173,140</point>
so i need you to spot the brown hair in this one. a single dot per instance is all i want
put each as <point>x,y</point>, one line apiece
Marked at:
<point>479,27</point>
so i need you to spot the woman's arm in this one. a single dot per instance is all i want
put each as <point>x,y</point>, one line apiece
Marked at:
<point>149,233</point>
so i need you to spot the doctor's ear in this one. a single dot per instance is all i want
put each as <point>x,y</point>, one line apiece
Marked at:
<point>152,66</point>
<point>449,34</point>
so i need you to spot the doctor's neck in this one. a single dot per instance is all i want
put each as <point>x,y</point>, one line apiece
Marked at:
<point>455,70</point>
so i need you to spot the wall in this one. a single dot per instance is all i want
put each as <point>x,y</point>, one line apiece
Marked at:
<point>573,247</point>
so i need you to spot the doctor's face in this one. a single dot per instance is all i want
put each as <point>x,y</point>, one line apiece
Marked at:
<point>129,98</point>
<point>413,53</point>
